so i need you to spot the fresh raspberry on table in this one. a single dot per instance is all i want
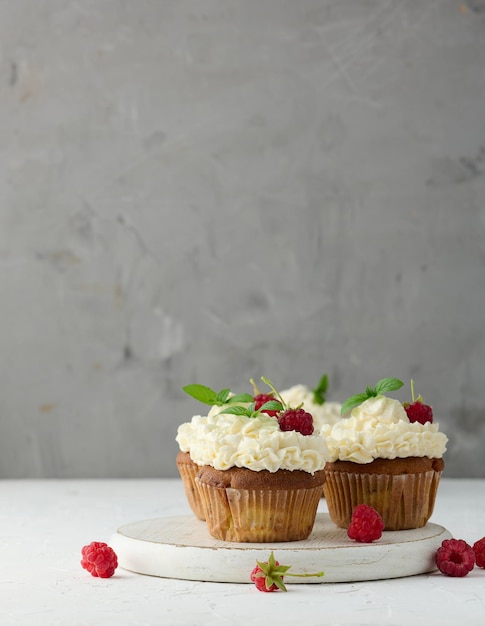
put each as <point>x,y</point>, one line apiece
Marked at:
<point>296,419</point>
<point>455,557</point>
<point>259,579</point>
<point>479,550</point>
<point>366,524</point>
<point>262,398</point>
<point>99,559</point>
<point>268,575</point>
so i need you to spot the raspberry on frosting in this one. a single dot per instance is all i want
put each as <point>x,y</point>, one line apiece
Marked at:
<point>261,399</point>
<point>296,419</point>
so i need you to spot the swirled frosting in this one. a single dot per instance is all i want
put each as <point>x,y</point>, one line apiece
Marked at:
<point>380,428</point>
<point>257,443</point>
<point>326,413</point>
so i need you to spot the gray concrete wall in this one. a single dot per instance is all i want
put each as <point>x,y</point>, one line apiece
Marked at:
<point>208,191</point>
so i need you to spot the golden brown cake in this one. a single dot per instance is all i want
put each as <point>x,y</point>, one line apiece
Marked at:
<point>243,505</point>
<point>402,490</point>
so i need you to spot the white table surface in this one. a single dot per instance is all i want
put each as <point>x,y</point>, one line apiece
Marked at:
<point>45,523</point>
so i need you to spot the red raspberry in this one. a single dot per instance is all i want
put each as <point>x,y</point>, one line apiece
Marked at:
<point>296,419</point>
<point>366,524</point>
<point>455,557</point>
<point>99,559</point>
<point>479,549</point>
<point>419,412</point>
<point>262,398</point>
<point>259,579</point>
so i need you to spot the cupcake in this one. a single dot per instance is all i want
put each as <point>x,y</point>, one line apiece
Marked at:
<point>258,483</point>
<point>260,468</point>
<point>382,457</point>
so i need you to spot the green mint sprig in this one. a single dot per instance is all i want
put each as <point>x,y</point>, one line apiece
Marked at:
<point>250,410</point>
<point>284,405</point>
<point>320,390</point>
<point>206,395</point>
<point>383,386</point>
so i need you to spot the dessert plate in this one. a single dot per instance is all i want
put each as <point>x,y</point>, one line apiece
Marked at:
<point>181,547</point>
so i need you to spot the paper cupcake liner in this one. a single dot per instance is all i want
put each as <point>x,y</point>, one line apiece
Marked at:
<point>188,472</point>
<point>260,515</point>
<point>404,501</point>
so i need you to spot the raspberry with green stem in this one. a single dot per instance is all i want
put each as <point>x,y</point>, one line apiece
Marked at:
<point>268,575</point>
<point>260,399</point>
<point>416,410</point>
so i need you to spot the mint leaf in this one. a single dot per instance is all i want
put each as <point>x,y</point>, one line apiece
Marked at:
<point>201,393</point>
<point>222,396</point>
<point>209,396</point>
<point>271,405</point>
<point>353,401</point>
<point>320,390</point>
<point>249,411</point>
<point>241,397</point>
<point>238,410</point>
<point>388,384</point>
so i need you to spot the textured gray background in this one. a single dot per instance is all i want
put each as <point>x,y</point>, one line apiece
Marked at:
<point>208,191</point>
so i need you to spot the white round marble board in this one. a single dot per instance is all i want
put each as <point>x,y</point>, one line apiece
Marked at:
<point>181,547</point>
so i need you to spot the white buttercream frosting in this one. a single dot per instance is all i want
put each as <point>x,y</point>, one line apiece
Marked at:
<point>380,428</point>
<point>326,413</point>
<point>257,443</point>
